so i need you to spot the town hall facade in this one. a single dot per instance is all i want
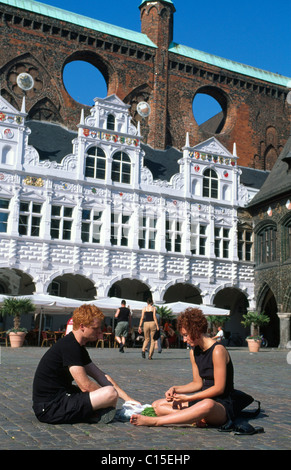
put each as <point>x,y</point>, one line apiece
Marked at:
<point>96,222</point>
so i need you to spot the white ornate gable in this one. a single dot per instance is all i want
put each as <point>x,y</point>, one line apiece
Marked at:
<point>112,101</point>
<point>214,147</point>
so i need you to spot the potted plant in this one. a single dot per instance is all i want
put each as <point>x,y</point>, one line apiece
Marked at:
<point>16,307</point>
<point>254,320</point>
<point>165,313</point>
<point>216,321</point>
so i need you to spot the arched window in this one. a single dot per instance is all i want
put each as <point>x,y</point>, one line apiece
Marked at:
<point>95,163</point>
<point>121,168</point>
<point>266,244</point>
<point>111,122</point>
<point>210,184</point>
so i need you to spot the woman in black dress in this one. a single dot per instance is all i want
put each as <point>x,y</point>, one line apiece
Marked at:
<point>207,399</point>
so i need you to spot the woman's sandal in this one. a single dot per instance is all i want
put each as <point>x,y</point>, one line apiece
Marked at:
<point>247,430</point>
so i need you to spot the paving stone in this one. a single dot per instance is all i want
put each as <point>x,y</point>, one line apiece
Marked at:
<point>265,375</point>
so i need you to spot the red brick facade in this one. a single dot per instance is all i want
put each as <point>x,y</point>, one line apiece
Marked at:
<point>255,111</point>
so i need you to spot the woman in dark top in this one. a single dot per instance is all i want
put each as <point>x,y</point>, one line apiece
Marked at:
<point>207,399</point>
<point>150,325</point>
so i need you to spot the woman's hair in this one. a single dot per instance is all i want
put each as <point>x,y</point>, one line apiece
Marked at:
<point>194,322</point>
<point>150,301</point>
<point>85,315</point>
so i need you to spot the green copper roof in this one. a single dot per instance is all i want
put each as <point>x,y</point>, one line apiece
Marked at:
<point>74,18</point>
<point>229,65</point>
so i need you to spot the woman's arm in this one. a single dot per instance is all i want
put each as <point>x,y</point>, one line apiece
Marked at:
<point>220,360</point>
<point>141,320</point>
<point>121,393</point>
<point>191,387</point>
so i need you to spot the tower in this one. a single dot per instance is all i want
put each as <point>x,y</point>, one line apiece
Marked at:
<point>157,21</point>
<point>157,24</point>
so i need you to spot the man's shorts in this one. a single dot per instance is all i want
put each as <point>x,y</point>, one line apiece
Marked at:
<point>69,408</point>
<point>121,329</point>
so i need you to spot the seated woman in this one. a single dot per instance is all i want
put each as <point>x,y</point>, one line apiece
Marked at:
<point>207,399</point>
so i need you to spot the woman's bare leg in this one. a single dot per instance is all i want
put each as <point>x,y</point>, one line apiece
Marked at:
<point>212,412</point>
<point>163,407</point>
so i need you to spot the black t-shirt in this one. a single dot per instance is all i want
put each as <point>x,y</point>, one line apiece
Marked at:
<point>52,376</point>
<point>123,315</point>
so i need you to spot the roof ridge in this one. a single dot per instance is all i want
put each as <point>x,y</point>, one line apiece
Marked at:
<point>86,21</point>
<point>229,64</point>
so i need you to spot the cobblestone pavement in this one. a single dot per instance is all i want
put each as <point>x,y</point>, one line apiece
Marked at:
<point>265,375</point>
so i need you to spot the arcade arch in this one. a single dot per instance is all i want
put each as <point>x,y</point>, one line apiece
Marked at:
<point>73,286</point>
<point>236,301</point>
<point>184,293</point>
<point>130,289</point>
<point>16,282</point>
<point>267,303</point>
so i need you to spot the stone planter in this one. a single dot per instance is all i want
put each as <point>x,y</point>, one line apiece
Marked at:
<point>253,345</point>
<point>17,339</point>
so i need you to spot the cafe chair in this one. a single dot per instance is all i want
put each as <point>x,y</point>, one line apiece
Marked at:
<point>3,338</point>
<point>47,338</point>
<point>103,339</point>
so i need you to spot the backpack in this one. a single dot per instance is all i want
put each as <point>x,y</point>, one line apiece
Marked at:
<point>239,424</point>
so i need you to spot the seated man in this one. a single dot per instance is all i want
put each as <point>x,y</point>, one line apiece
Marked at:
<point>55,399</point>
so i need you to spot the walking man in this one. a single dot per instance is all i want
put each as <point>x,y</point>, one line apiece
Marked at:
<point>123,317</point>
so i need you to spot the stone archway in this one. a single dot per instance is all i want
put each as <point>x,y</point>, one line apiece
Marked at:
<point>184,293</point>
<point>130,289</point>
<point>236,301</point>
<point>73,286</point>
<point>267,303</point>
<point>16,282</point>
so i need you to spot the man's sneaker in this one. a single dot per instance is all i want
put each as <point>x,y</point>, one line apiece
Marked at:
<point>104,416</point>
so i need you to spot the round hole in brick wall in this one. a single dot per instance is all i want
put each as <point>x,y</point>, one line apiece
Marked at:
<point>205,107</point>
<point>84,82</point>
<point>210,109</point>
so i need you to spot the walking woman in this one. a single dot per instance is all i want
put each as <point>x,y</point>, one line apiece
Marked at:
<point>150,325</point>
<point>207,399</point>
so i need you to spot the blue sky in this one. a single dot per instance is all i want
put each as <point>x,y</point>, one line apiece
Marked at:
<point>255,33</point>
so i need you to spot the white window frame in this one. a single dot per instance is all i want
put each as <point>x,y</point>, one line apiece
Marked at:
<point>210,184</point>
<point>119,173</point>
<point>174,232</point>
<point>198,238</point>
<point>4,214</point>
<point>64,222</point>
<point>29,221</point>
<point>147,231</point>
<point>120,228</point>
<point>93,224</point>
<point>101,158</point>
<point>222,242</point>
